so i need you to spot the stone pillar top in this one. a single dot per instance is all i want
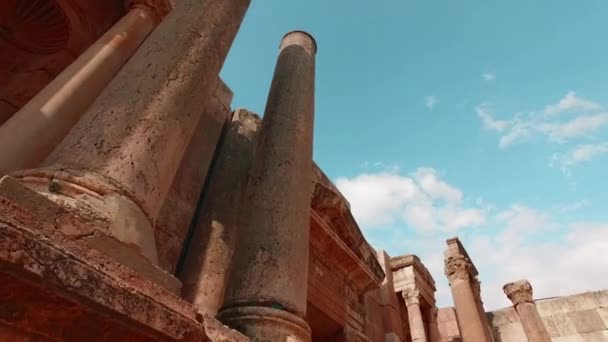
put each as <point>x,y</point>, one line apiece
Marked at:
<point>159,8</point>
<point>519,292</point>
<point>411,296</point>
<point>458,267</point>
<point>301,38</point>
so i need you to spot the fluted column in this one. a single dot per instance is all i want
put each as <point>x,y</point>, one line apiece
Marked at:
<point>115,167</point>
<point>414,314</point>
<point>520,294</point>
<point>457,269</point>
<point>266,299</point>
<point>30,135</point>
<point>433,327</point>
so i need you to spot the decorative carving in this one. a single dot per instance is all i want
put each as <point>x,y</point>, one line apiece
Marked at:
<point>411,296</point>
<point>36,26</point>
<point>158,8</point>
<point>519,292</point>
<point>457,267</point>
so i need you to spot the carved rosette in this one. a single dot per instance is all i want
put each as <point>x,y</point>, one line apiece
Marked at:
<point>411,296</point>
<point>519,292</point>
<point>158,8</point>
<point>457,268</point>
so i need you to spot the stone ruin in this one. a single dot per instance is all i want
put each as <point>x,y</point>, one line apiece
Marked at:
<point>137,205</point>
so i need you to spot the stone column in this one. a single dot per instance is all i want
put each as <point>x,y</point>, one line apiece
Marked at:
<point>115,167</point>
<point>30,135</point>
<point>266,299</point>
<point>520,293</point>
<point>467,311</point>
<point>414,314</point>
<point>433,327</point>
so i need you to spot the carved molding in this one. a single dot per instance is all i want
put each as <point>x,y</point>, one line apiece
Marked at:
<point>458,267</point>
<point>519,292</point>
<point>159,8</point>
<point>411,296</point>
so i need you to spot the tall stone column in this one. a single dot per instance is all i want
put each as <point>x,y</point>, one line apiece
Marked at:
<point>433,327</point>
<point>414,314</point>
<point>266,299</point>
<point>467,311</point>
<point>115,167</point>
<point>520,293</point>
<point>30,135</point>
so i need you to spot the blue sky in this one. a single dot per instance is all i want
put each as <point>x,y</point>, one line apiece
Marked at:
<point>482,119</point>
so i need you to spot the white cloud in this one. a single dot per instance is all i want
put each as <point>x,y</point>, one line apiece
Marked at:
<point>421,200</point>
<point>571,102</point>
<point>488,120</point>
<point>578,155</point>
<point>580,126</point>
<point>431,101</point>
<point>488,77</point>
<point>582,122</point>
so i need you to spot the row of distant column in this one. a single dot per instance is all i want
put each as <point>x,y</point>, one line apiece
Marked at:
<point>471,316</point>
<point>108,134</point>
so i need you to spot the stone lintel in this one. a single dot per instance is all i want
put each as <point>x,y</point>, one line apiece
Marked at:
<point>455,248</point>
<point>334,211</point>
<point>420,269</point>
<point>519,292</point>
<point>54,286</point>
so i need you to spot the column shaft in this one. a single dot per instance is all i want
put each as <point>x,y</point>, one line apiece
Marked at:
<point>126,149</point>
<point>267,295</point>
<point>433,327</point>
<point>416,322</point>
<point>467,311</point>
<point>30,135</point>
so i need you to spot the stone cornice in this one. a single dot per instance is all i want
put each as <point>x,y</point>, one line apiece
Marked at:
<point>158,8</point>
<point>519,292</point>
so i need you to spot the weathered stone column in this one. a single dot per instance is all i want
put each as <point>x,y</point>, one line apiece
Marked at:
<point>520,293</point>
<point>266,299</point>
<point>414,314</point>
<point>115,167</point>
<point>30,135</point>
<point>207,265</point>
<point>433,327</point>
<point>467,311</point>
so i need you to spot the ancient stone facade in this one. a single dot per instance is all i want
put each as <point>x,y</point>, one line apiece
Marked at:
<point>136,205</point>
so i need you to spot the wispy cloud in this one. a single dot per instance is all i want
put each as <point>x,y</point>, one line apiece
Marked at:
<point>488,76</point>
<point>579,154</point>
<point>431,101</point>
<point>584,120</point>
<point>570,103</point>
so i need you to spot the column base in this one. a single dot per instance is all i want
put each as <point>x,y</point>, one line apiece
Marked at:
<point>266,324</point>
<point>57,218</point>
<point>97,200</point>
<point>52,287</point>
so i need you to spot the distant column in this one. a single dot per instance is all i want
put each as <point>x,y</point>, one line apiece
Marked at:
<point>30,135</point>
<point>467,311</point>
<point>266,299</point>
<point>520,293</point>
<point>115,167</point>
<point>431,319</point>
<point>414,314</point>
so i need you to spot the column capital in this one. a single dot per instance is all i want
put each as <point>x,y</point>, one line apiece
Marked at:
<point>411,296</point>
<point>158,8</point>
<point>458,267</point>
<point>519,292</point>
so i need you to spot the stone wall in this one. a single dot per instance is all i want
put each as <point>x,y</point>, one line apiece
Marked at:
<point>577,318</point>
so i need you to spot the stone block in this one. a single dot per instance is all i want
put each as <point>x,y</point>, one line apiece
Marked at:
<point>587,321</point>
